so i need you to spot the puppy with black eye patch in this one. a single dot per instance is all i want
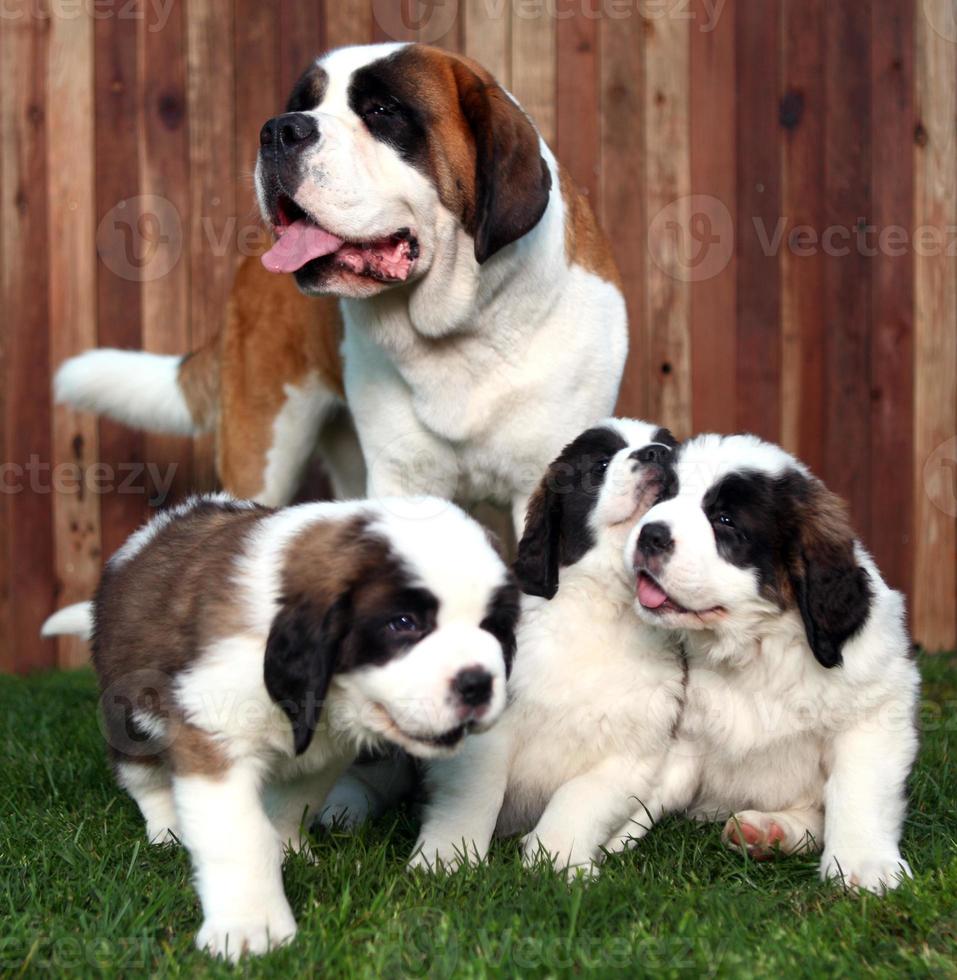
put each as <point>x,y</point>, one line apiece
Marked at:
<point>799,728</point>
<point>595,694</point>
<point>246,655</point>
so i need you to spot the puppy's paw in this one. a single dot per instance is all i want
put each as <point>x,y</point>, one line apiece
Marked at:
<point>756,834</point>
<point>158,836</point>
<point>866,872</point>
<point>232,939</point>
<point>561,855</point>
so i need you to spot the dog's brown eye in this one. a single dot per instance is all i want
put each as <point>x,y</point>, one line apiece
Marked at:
<point>404,624</point>
<point>725,519</point>
<point>600,467</point>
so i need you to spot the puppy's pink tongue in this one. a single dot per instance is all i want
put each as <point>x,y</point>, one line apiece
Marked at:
<point>300,242</point>
<point>650,594</point>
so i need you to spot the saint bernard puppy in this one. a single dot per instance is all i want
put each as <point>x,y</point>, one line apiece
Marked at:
<point>246,655</point>
<point>483,319</point>
<point>595,695</point>
<point>799,725</point>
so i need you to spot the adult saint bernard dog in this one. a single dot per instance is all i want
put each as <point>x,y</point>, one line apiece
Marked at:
<point>799,726</point>
<point>483,319</point>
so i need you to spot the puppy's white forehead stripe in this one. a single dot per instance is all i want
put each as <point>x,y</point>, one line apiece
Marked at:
<point>705,460</point>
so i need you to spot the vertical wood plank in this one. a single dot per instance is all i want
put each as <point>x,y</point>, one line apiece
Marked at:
<point>668,208</point>
<point>164,173</point>
<point>578,142</point>
<point>300,40</point>
<point>347,22</point>
<point>935,334</point>
<point>533,64</point>
<point>892,289</point>
<point>803,319</point>
<point>23,143</point>
<point>487,29</point>
<point>7,652</point>
<point>759,212</point>
<point>621,210</point>
<point>212,207</point>
<point>714,175</point>
<point>76,511</point>
<point>122,249</point>
<point>848,268</point>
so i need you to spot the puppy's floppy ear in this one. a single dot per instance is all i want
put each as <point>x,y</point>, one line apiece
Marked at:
<point>832,591</point>
<point>512,180</point>
<point>539,551</point>
<point>501,620</point>
<point>301,656</point>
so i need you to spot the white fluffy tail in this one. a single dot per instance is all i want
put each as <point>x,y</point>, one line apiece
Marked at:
<point>138,389</point>
<point>76,620</point>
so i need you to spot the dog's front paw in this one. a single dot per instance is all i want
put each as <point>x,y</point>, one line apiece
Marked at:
<point>756,834</point>
<point>561,855</point>
<point>442,858</point>
<point>234,938</point>
<point>868,872</point>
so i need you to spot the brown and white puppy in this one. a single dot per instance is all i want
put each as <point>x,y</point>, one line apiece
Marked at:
<point>484,323</point>
<point>245,656</point>
<point>799,723</point>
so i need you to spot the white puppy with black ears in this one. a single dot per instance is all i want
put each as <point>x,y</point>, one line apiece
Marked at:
<point>595,694</point>
<point>799,726</point>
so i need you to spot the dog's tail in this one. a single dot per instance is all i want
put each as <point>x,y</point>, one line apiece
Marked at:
<point>76,620</point>
<point>156,392</point>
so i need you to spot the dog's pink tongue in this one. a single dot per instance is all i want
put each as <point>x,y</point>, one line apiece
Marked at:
<point>301,242</point>
<point>650,594</point>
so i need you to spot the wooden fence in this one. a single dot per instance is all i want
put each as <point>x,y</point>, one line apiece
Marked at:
<point>778,177</point>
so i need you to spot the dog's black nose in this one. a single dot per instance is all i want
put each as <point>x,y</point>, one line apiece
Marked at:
<point>654,453</point>
<point>290,133</point>
<point>473,685</point>
<point>654,539</point>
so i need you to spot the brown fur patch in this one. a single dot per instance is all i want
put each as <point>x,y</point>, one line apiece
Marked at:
<point>193,752</point>
<point>156,611</point>
<point>274,336</point>
<point>585,242</point>
<point>199,382</point>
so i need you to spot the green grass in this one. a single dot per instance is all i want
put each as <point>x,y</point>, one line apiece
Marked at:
<point>83,894</point>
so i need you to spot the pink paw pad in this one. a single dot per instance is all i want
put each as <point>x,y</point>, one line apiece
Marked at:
<point>760,844</point>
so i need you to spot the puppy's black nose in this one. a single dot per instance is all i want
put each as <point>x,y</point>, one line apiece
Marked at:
<point>289,133</point>
<point>654,539</point>
<point>654,453</point>
<point>473,685</point>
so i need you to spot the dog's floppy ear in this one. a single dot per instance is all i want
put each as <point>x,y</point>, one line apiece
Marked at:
<point>512,180</point>
<point>539,551</point>
<point>302,652</point>
<point>832,591</point>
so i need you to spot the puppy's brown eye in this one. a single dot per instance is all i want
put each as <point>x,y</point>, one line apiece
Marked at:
<point>404,624</point>
<point>725,519</point>
<point>600,467</point>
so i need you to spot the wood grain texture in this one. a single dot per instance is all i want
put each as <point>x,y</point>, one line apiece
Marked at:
<point>714,175</point>
<point>621,208</point>
<point>126,241</point>
<point>347,22</point>
<point>669,213</point>
<point>578,141</point>
<point>301,37</point>
<point>935,336</point>
<point>164,174</point>
<point>533,64</point>
<point>7,651</point>
<point>848,267</point>
<point>72,277</point>
<point>487,38</point>
<point>758,218</point>
<point>27,382</point>
<point>892,289</point>
<point>801,116</point>
<point>213,167</point>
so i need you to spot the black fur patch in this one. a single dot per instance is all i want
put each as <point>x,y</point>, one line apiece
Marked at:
<point>556,528</point>
<point>501,620</point>
<point>309,90</point>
